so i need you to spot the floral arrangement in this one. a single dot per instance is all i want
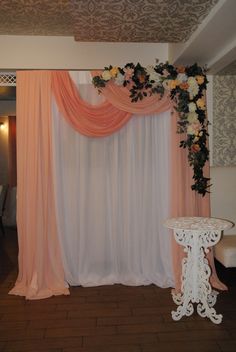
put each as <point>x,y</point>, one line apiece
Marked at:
<point>186,86</point>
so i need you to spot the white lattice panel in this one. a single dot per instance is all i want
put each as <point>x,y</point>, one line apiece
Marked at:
<point>7,79</point>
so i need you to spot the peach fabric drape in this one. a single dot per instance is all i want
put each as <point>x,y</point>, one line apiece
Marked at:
<point>40,267</point>
<point>12,150</point>
<point>119,97</point>
<point>92,121</point>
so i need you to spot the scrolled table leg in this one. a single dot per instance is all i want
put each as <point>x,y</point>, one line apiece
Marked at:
<point>184,309</point>
<point>204,310</point>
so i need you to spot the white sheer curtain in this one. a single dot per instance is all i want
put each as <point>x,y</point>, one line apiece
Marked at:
<point>112,197</point>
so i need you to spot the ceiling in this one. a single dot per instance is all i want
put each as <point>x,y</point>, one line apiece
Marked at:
<point>149,21</point>
<point>228,70</point>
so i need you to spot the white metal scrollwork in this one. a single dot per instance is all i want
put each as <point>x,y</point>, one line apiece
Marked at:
<point>196,235</point>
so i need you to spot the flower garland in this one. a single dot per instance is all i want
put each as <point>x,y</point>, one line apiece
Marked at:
<point>186,86</point>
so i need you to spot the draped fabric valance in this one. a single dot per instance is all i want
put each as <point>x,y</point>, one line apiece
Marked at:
<point>103,119</point>
<point>41,271</point>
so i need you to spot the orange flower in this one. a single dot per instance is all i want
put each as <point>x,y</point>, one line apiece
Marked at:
<point>195,148</point>
<point>114,71</point>
<point>180,69</point>
<point>141,78</point>
<point>200,79</point>
<point>184,86</point>
<point>201,104</point>
<point>174,83</point>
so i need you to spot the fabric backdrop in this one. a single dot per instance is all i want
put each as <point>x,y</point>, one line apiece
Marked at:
<point>43,229</point>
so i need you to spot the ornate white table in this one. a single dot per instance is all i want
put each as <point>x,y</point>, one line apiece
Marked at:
<point>196,234</point>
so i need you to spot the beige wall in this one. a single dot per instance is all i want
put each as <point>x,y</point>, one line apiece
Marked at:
<point>221,111</point>
<point>4,151</point>
<point>32,52</point>
<point>223,194</point>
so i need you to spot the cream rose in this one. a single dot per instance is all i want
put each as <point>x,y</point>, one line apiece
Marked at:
<point>192,107</point>
<point>192,117</point>
<point>106,75</point>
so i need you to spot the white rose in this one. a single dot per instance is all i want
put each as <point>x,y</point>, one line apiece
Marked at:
<point>154,76</point>
<point>192,107</point>
<point>182,77</point>
<point>106,75</point>
<point>119,79</point>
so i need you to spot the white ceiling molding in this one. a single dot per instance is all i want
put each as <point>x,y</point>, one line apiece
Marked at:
<point>213,44</point>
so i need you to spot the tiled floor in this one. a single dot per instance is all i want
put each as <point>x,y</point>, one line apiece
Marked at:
<point>107,318</point>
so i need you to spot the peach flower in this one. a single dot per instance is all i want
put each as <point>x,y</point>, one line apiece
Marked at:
<point>165,73</point>
<point>194,128</point>
<point>128,73</point>
<point>195,148</point>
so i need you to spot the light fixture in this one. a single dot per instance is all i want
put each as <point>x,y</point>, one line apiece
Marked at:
<point>1,125</point>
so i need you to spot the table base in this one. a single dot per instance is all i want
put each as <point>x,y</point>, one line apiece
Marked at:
<point>204,307</point>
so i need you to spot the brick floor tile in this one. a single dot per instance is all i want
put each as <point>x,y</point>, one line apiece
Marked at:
<point>150,328</point>
<point>74,332</point>
<point>65,323</point>
<point>129,320</point>
<point>196,335</point>
<point>99,313</point>
<point>206,346</point>
<point>43,344</point>
<point>119,348</point>
<point>91,305</point>
<point>21,334</point>
<point>227,346</point>
<point>119,340</point>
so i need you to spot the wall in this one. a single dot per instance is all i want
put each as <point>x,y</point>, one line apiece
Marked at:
<point>4,151</point>
<point>36,52</point>
<point>223,194</point>
<point>222,108</point>
<point>7,107</point>
<point>224,126</point>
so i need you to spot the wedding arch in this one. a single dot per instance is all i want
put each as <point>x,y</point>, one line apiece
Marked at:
<point>43,97</point>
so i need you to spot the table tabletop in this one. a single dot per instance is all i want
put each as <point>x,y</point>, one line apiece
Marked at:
<point>198,223</point>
